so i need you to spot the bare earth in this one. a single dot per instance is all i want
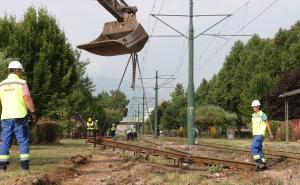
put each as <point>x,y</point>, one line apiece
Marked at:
<point>115,168</point>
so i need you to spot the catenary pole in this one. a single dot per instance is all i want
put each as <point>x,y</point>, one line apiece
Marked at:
<point>156,107</point>
<point>190,91</point>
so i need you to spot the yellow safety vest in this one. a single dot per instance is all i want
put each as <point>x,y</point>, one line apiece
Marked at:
<point>113,128</point>
<point>258,125</point>
<point>11,95</point>
<point>90,125</point>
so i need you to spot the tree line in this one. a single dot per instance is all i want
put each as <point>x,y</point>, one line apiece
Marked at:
<point>54,71</point>
<point>250,71</point>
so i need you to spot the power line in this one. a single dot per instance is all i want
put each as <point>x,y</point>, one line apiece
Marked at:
<point>252,20</point>
<point>148,45</point>
<point>211,43</point>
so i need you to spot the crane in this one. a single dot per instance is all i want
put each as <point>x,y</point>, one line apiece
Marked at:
<point>123,36</point>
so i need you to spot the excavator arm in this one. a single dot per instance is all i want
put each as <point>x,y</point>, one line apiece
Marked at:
<point>118,8</point>
<point>124,36</point>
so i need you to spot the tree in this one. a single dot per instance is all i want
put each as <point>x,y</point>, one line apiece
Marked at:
<point>49,61</point>
<point>174,113</point>
<point>250,71</point>
<point>213,116</point>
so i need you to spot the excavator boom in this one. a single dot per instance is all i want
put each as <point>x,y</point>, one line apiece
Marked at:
<point>123,36</point>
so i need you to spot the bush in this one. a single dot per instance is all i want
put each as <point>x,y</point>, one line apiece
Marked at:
<point>65,127</point>
<point>280,134</point>
<point>45,132</point>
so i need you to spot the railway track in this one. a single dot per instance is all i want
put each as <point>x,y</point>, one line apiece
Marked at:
<point>270,153</point>
<point>179,156</point>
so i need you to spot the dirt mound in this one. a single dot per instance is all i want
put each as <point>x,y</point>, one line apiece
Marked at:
<point>51,178</point>
<point>79,160</point>
<point>55,177</point>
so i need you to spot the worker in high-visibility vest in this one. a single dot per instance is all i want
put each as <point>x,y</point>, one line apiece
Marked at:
<point>91,127</point>
<point>15,99</point>
<point>129,133</point>
<point>113,130</point>
<point>134,133</point>
<point>259,124</point>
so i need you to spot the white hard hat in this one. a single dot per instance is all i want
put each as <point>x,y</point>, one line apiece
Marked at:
<point>15,65</point>
<point>255,103</point>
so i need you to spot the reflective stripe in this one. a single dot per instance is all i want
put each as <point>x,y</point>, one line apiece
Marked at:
<point>263,160</point>
<point>255,157</point>
<point>24,157</point>
<point>12,82</point>
<point>4,158</point>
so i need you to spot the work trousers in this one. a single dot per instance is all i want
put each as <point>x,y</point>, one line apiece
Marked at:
<point>18,127</point>
<point>257,148</point>
<point>91,133</point>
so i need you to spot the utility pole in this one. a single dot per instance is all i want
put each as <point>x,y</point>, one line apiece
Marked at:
<point>191,37</point>
<point>143,129</point>
<point>156,88</point>
<point>156,107</point>
<point>138,103</point>
<point>138,123</point>
<point>190,90</point>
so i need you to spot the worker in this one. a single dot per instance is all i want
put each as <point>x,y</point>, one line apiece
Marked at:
<point>113,130</point>
<point>259,124</point>
<point>90,125</point>
<point>134,133</point>
<point>15,99</point>
<point>129,133</point>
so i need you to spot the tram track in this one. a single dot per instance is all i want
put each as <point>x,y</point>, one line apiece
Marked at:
<point>176,155</point>
<point>270,153</point>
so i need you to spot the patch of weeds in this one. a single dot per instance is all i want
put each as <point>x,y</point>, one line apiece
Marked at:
<point>215,168</point>
<point>159,173</point>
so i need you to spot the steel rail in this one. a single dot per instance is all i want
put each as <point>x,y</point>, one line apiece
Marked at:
<point>268,152</point>
<point>167,147</point>
<point>271,153</point>
<point>180,157</point>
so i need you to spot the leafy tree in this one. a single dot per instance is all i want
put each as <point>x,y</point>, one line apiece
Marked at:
<point>258,86</point>
<point>49,61</point>
<point>213,116</point>
<point>174,113</point>
<point>250,71</point>
<point>114,105</point>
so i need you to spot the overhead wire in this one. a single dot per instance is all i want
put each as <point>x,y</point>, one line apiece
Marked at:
<point>214,39</point>
<point>152,31</point>
<point>243,27</point>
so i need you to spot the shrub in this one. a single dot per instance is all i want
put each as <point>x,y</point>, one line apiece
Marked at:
<point>45,132</point>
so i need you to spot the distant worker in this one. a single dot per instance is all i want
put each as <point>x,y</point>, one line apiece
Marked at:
<point>134,133</point>
<point>15,99</point>
<point>259,124</point>
<point>129,133</point>
<point>91,128</point>
<point>113,130</point>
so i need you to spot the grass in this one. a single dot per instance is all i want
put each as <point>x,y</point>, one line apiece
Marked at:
<point>238,143</point>
<point>46,158</point>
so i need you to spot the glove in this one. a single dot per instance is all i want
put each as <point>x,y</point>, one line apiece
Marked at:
<point>271,136</point>
<point>33,117</point>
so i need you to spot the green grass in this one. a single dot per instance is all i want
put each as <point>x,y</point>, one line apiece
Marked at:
<point>46,158</point>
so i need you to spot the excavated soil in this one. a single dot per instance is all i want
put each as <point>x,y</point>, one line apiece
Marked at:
<point>115,168</point>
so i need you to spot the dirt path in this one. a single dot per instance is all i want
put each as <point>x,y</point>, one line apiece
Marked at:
<point>115,168</point>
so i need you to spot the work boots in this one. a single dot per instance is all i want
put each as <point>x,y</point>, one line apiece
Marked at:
<point>25,165</point>
<point>3,166</point>
<point>260,165</point>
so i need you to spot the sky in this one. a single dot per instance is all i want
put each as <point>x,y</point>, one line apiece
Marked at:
<point>83,20</point>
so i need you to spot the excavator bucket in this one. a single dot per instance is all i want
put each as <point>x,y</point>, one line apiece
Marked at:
<point>118,38</point>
